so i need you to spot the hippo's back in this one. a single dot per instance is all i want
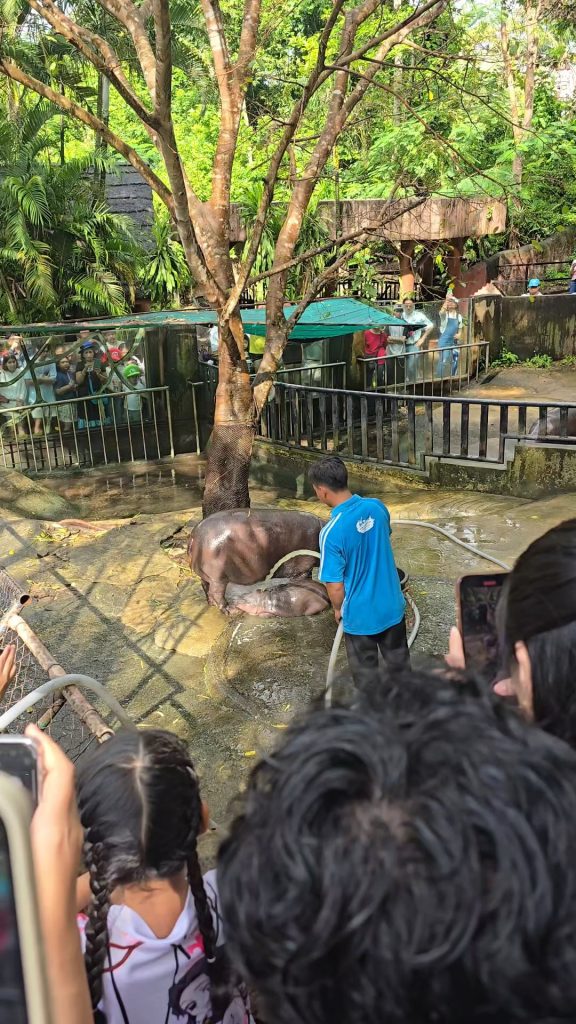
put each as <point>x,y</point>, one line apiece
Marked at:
<point>262,534</point>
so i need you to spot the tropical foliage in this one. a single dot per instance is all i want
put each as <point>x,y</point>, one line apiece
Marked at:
<point>165,276</point>
<point>62,252</point>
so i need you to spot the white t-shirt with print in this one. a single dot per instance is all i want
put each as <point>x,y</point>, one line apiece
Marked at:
<point>148,980</point>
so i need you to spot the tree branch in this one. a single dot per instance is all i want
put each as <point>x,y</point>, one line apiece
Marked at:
<point>316,79</point>
<point>98,52</point>
<point>248,41</point>
<point>341,107</point>
<point>129,16</point>
<point>163,74</point>
<point>68,106</point>
<point>361,239</point>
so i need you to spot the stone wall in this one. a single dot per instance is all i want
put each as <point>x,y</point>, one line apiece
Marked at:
<point>535,472</point>
<point>526,327</point>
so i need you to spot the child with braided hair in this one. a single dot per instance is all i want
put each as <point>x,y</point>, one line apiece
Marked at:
<point>152,930</point>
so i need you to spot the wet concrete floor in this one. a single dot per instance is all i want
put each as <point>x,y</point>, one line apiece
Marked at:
<point>121,604</point>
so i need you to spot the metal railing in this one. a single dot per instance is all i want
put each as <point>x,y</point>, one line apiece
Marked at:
<point>405,431</point>
<point>550,272</point>
<point>88,431</point>
<point>327,375</point>
<point>427,370</point>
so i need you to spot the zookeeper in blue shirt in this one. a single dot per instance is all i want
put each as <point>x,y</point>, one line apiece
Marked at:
<point>358,569</point>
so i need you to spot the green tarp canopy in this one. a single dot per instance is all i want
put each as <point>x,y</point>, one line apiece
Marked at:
<point>330,318</point>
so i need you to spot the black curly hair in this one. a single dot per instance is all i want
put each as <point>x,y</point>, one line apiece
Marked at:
<point>538,607</point>
<point>407,860</point>
<point>140,807</point>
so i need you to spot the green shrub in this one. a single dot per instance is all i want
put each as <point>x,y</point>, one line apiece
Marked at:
<point>506,358</point>
<point>540,362</point>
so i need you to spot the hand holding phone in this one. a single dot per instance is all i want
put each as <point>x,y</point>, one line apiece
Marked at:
<point>478,595</point>
<point>19,759</point>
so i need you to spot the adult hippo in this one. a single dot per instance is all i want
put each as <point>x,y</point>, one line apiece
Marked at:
<point>242,546</point>
<point>553,428</point>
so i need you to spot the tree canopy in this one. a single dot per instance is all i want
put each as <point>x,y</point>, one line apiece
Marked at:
<point>273,105</point>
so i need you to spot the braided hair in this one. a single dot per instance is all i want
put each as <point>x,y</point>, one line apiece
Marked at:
<point>140,807</point>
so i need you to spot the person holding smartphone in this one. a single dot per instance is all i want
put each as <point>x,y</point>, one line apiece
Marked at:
<point>90,379</point>
<point>536,628</point>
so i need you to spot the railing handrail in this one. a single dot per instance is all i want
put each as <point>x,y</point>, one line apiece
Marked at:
<point>421,352</point>
<point>397,397</point>
<point>97,396</point>
<point>308,366</point>
<point>287,369</point>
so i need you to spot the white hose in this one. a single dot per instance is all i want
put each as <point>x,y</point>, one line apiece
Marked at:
<point>415,628</point>
<point>45,689</point>
<point>289,557</point>
<point>450,536</point>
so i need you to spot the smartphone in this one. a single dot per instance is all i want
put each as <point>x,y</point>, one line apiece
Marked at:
<point>23,988</point>
<point>477,599</point>
<point>19,758</point>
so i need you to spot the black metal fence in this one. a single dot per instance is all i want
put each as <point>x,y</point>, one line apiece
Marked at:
<point>109,428</point>
<point>554,275</point>
<point>425,371</point>
<point>404,431</point>
<point>325,375</point>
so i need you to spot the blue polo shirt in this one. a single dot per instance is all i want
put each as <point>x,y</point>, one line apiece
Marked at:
<point>355,550</point>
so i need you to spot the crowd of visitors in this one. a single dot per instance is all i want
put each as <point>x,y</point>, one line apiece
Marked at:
<point>408,353</point>
<point>41,383</point>
<point>404,857</point>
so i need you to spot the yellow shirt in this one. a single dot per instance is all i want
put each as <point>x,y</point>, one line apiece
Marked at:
<point>257,345</point>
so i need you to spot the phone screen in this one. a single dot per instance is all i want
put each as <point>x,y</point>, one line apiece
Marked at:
<point>18,758</point>
<point>12,991</point>
<point>479,596</point>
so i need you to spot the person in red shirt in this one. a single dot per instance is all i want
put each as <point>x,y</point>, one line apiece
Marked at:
<point>375,343</point>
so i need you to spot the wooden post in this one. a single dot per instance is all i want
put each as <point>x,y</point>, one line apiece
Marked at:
<point>454,264</point>
<point>407,279</point>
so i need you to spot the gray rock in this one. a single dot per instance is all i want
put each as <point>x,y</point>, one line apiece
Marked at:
<point>21,496</point>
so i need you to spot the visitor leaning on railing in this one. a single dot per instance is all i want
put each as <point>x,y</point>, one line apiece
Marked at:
<point>13,393</point>
<point>450,336</point>
<point>65,387</point>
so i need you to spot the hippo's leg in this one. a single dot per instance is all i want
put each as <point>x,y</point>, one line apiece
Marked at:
<point>216,594</point>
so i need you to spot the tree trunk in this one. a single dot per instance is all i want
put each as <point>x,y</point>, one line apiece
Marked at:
<point>230,445</point>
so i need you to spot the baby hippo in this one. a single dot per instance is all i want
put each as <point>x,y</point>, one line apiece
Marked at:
<point>288,600</point>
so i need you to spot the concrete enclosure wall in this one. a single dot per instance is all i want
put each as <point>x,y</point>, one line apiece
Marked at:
<point>545,325</point>
<point>535,472</point>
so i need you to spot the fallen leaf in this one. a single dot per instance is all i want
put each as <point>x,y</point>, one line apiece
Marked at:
<point>249,753</point>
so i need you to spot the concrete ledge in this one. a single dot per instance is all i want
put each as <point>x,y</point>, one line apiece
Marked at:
<point>535,471</point>
<point>287,468</point>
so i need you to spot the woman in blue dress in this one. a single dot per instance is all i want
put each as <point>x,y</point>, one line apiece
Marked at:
<point>450,336</point>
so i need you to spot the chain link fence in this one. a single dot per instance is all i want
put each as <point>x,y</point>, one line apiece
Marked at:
<point>66,715</point>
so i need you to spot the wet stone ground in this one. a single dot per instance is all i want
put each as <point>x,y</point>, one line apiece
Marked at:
<point>120,604</point>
